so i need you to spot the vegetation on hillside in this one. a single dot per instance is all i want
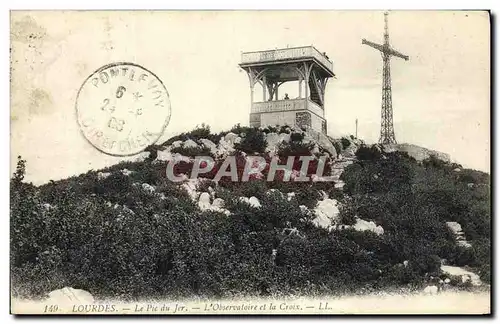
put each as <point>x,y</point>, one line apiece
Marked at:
<point>117,237</point>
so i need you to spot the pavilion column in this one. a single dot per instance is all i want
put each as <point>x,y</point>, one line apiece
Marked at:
<point>306,83</point>
<point>251,92</point>
<point>251,78</point>
<point>264,86</point>
<point>276,97</point>
<point>300,86</point>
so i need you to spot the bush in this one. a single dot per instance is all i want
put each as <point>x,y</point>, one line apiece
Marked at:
<point>307,195</point>
<point>379,176</point>
<point>285,129</point>
<point>295,149</point>
<point>192,151</point>
<point>271,129</point>
<point>196,134</point>
<point>345,143</point>
<point>18,176</point>
<point>238,129</point>
<point>347,215</point>
<point>297,137</point>
<point>254,141</point>
<point>205,184</point>
<point>338,146</point>
<point>473,176</point>
<point>434,162</point>
<point>115,239</point>
<point>368,153</point>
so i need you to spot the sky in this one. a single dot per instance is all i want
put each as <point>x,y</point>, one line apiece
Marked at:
<point>441,96</point>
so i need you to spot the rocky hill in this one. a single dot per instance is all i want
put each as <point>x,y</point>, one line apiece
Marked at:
<point>386,221</point>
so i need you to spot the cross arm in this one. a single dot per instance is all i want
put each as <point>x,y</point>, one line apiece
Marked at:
<point>385,49</point>
<point>398,54</point>
<point>372,44</point>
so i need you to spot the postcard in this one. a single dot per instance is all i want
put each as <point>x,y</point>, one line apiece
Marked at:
<point>250,162</point>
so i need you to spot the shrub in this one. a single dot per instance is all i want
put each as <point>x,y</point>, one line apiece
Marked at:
<point>285,129</point>
<point>250,188</point>
<point>271,129</point>
<point>336,194</point>
<point>295,149</point>
<point>347,215</point>
<point>368,153</point>
<point>204,185</point>
<point>254,141</point>
<point>192,151</point>
<point>238,129</point>
<point>434,162</point>
<point>338,146</point>
<point>196,134</point>
<point>115,239</point>
<point>473,176</point>
<point>307,195</point>
<point>199,132</point>
<point>345,143</point>
<point>18,176</point>
<point>297,137</point>
<point>383,175</point>
<point>255,188</point>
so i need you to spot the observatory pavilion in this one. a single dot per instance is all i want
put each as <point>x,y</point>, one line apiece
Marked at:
<point>270,69</point>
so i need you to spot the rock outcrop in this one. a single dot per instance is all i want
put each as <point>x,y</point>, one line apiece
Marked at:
<point>417,152</point>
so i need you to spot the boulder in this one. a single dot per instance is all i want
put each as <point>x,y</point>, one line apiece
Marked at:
<point>190,186</point>
<point>164,155</point>
<point>127,172</point>
<point>284,138</point>
<point>273,141</point>
<point>322,140</point>
<point>103,175</point>
<point>431,290</point>
<point>204,201</point>
<point>176,144</point>
<point>464,274</point>
<point>256,164</point>
<point>464,244</point>
<point>315,149</point>
<point>326,212</point>
<point>209,144</point>
<point>231,138</point>
<point>252,201</point>
<point>218,203</point>
<point>69,295</point>
<point>177,157</point>
<point>454,227</point>
<point>274,192</point>
<point>189,143</point>
<point>362,225</point>
<point>148,188</point>
<point>141,157</point>
<point>225,147</point>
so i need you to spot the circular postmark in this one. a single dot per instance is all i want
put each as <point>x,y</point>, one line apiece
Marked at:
<point>122,108</point>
